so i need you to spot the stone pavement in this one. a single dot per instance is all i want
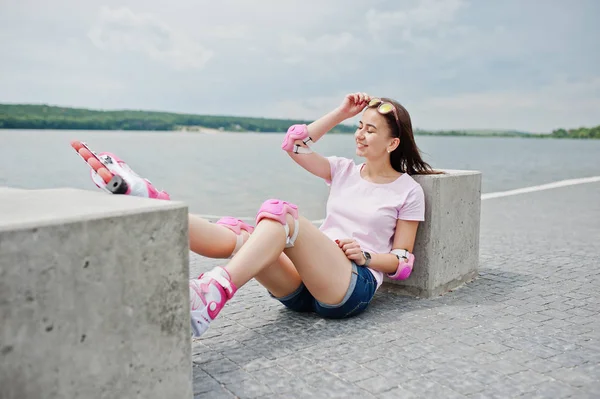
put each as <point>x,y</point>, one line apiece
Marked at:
<point>527,327</point>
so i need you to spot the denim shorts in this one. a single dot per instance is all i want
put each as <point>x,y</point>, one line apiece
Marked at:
<point>360,292</point>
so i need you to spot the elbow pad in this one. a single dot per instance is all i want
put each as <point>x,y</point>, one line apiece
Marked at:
<point>296,132</point>
<point>404,268</point>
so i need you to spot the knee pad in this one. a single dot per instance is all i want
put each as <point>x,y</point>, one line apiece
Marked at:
<point>277,210</point>
<point>296,132</point>
<point>235,225</point>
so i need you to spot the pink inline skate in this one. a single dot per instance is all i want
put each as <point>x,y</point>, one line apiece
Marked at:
<point>111,174</point>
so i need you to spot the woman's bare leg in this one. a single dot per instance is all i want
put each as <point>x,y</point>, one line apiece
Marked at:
<point>321,265</point>
<point>216,241</point>
<point>324,268</point>
<point>210,239</point>
<point>280,278</point>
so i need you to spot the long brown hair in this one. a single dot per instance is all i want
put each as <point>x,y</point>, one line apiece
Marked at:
<point>406,158</point>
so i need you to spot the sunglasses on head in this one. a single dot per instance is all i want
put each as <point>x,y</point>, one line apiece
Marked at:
<point>384,107</point>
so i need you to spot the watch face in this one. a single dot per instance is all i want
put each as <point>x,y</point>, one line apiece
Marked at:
<point>367,257</point>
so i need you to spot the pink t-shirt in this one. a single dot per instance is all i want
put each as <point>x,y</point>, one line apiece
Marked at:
<point>366,211</point>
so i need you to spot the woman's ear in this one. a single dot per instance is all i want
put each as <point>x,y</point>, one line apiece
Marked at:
<point>393,144</point>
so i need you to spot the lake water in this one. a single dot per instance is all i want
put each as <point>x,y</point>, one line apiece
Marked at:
<point>232,173</point>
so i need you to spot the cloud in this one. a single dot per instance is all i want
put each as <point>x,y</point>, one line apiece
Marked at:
<point>414,25</point>
<point>301,108</point>
<point>539,110</point>
<point>323,54</point>
<point>121,30</point>
<point>454,63</point>
<point>297,49</point>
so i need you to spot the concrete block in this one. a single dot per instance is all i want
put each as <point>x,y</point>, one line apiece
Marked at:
<point>447,244</point>
<point>94,299</point>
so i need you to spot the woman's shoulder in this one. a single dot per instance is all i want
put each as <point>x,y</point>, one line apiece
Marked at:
<point>340,160</point>
<point>408,190</point>
<point>412,206</point>
<point>406,183</point>
<point>339,164</point>
<point>411,181</point>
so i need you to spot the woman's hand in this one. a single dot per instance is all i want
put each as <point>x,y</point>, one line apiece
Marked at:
<point>354,103</point>
<point>352,250</point>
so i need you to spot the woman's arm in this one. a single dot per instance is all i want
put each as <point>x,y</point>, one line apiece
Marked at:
<point>315,163</point>
<point>404,238</point>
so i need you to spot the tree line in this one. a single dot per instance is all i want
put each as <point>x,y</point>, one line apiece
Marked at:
<point>29,116</point>
<point>580,133</point>
<point>51,117</point>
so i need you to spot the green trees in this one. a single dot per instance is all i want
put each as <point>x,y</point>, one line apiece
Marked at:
<point>26,116</point>
<point>581,133</point>
<point>50,117</point>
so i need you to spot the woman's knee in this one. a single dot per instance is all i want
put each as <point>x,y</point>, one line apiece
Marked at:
<point>283,212</point>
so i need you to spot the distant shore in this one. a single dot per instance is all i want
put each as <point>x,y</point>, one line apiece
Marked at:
<point>46,117</point>
<point>201,129</point>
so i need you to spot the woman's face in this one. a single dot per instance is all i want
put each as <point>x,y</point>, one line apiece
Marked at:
<point>373,136</point>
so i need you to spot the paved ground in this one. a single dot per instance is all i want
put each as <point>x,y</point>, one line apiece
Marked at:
<point>528,327</point>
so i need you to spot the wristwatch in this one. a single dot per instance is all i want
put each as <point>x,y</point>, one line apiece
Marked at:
<point>367,257</point>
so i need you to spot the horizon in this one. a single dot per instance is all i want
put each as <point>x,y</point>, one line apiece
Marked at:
<point>454,64</point>
<point>415,128</point>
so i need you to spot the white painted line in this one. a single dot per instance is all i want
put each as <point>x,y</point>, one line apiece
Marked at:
<point>562,183</point>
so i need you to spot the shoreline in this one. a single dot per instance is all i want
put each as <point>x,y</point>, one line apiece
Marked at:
<point>213,131</point>
<point>43,116</point>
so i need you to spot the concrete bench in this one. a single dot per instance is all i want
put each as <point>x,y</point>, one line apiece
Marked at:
<point>447,245</point>
<point>93,296</point>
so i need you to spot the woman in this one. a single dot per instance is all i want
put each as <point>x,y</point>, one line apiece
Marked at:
<point>373,212</point>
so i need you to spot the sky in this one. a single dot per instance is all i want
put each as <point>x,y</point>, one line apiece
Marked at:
<point>525,65</point>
